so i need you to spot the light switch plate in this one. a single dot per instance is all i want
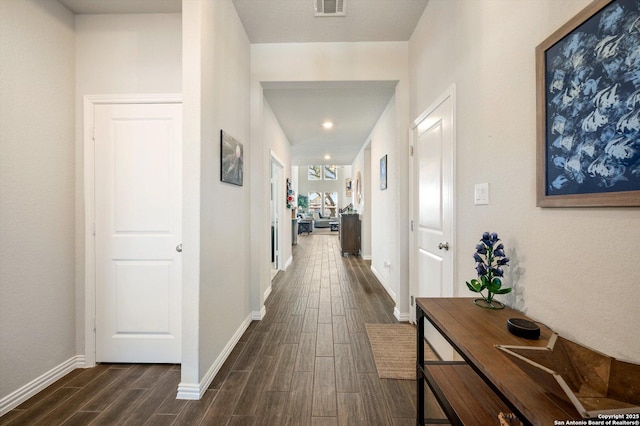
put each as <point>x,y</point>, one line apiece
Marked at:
<point>481,194</point>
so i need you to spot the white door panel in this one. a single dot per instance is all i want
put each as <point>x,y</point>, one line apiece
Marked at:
<point>430,178</point>
<point>142,170</point>
<point>143,286</point>
<point>138,171</point>
<point>430,274</point>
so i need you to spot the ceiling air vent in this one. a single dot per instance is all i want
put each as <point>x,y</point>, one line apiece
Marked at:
<point>329,7</point>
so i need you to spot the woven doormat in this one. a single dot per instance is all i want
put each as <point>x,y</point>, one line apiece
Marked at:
<point>394,350</point>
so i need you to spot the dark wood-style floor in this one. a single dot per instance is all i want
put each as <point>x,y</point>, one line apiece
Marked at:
<point>308,362</point>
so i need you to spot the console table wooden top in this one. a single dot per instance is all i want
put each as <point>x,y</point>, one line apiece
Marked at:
<point>474,331</point>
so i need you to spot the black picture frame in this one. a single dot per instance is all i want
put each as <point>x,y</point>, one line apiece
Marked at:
<point>231,159</point>
<point>588,109</point>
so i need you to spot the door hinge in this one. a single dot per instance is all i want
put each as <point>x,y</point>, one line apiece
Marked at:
<point>93,229</point>
<point>411,226</point>
<point>411,150</point>
<point>94,324</point>
<point>412,300</point>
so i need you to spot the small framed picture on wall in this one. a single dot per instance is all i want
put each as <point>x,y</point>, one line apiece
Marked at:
<point>383,173</point>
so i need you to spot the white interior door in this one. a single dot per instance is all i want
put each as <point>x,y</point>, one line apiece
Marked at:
<point>433,214</point>
<point>138,204</point>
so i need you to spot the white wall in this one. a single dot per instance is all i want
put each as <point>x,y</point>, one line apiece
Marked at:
<point>366,206</point>
<point>279,146</point>
<point>295,181</point>
<point>118,54</point>
<point>130,53</point>
<point>216,220</point>
<point>575,270</point>
<point>383,140</point>
<point>333,62</point>
<point>37,300</point>
<point>192,46</point>
<point>379,208</point>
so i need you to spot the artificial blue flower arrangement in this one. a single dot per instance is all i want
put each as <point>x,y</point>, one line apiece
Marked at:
<point>490,260</point>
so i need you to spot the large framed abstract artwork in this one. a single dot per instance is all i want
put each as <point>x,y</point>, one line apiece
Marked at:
<point>588,109</point>
<point>231,159</point>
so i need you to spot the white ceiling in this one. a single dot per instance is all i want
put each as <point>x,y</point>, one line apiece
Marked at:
<point>87,7</point>
<point>292,21</point>
<point>353,107</point>
<point>302,107</point>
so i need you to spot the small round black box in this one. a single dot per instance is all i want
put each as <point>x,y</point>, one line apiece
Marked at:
<point>523,328</point>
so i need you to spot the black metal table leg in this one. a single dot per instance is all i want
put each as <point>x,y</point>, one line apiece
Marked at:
<point>420,366</point>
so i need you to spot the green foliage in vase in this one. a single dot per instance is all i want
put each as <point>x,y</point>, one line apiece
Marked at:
<point>303,201</point>
<point>490,260</point>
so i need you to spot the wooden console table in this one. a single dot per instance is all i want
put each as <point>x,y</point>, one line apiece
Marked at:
<point>487,382</point>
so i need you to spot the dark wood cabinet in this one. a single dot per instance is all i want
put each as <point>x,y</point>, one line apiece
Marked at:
<point>350,234</point>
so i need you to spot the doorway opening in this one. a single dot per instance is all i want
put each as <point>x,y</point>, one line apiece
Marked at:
<point>276,201</point>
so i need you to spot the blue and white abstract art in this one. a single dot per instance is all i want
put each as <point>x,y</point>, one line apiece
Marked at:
<point>592,98</point>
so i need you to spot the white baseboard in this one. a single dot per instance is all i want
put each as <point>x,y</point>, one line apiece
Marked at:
<point>366,256</point>
<point>195,391</point>
<point>189,391</point>
<point>257,316</point>
<point>267,292</point>
<point>402,317</point>
<point>288,262</point>
<point>385,285</point>
<point>19,396</point>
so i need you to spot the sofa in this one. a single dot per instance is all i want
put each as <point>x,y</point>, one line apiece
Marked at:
<point>320,221</point>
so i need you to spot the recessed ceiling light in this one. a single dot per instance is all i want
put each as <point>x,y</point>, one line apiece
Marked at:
<point>327,125</point>
<point>327,157</point>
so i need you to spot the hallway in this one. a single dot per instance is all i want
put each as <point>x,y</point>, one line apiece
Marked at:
<point>308,362</point>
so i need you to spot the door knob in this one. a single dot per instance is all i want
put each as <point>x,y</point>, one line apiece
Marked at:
<point>444,246</point>
<point>179,248</point>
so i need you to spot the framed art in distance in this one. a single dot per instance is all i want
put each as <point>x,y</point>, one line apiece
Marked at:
<point>383,173</point>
